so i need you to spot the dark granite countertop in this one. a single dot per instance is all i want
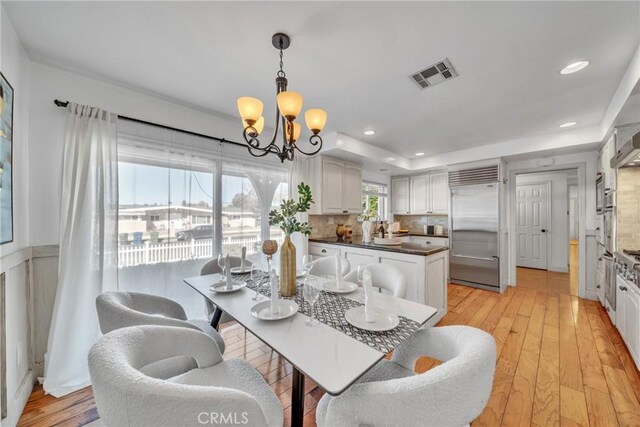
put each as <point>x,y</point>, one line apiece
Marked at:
<point>405,248</point>
<point>444,236</point>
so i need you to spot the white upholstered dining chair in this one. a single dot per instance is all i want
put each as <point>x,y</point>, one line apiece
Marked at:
<point>213,392</point>
<point>384,276</point>
<point>212,267</point>
<point>391,394</point>
<point>326,266</point>
<point>117,309</point>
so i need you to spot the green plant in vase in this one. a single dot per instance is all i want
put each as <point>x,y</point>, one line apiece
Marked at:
<point>285,218</point>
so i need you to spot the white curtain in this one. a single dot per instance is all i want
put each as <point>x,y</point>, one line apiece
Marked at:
<point>299,171</point>
<point>88,244</point>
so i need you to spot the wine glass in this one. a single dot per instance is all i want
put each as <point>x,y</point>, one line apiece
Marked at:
<point>256,279</point>
<point>269,247</point>
<point>311,293</point>
<point>307,263</point>
<point>221,264</point>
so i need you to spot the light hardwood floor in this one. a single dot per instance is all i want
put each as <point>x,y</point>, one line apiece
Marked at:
<point>560,362</point>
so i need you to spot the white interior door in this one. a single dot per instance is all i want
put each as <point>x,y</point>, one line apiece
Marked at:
<point>574,212</point>
<point>532,201</point>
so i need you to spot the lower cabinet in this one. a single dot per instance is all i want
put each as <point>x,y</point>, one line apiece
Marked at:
<point>436,241</point>
<point>628,317</point>
<point>426,276</point>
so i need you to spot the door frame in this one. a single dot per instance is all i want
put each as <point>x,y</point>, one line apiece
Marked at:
<point>582,233</point>
<point>548,240</point>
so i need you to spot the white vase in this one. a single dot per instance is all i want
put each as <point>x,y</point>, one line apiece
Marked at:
<point>366,231</point>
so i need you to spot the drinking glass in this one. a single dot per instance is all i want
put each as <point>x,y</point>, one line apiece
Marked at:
<point>221,264</point>
<point>311,293</point>
<point>307,263</point>
<point>256,278</point>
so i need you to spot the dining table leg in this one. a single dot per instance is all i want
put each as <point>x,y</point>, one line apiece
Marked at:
<point>297,398</point>
<point>215,319</point>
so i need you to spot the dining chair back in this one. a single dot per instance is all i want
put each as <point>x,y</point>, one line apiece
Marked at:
<point>384,276</point>
<point>118,309</point>
<point>213,391</point>
<point>327,267</point>
<point>212,267</point>
<point>451,394</point>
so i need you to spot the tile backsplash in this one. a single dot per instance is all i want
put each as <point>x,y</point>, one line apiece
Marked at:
<point>628,208</point>
<point>415,223</point>
<point>325,225</point>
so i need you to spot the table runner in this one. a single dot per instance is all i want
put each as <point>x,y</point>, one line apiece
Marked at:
<point>330,309</point>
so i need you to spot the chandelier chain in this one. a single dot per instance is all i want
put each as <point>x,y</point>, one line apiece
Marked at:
<point>281,73</point>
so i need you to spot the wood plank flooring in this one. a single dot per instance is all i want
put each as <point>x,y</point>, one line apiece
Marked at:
<point>560,362</point>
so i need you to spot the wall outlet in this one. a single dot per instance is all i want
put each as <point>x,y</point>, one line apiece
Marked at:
<point>330,220</point>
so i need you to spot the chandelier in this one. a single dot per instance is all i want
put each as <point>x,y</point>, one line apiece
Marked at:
<point>288,107</point>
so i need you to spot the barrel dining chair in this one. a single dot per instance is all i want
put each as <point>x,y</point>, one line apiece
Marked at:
<point>118,309</point>
<point>131,389</point>
<point>384,276</point>
<point>326,266</point>
<point>392,394</point>
<point>212,267</point>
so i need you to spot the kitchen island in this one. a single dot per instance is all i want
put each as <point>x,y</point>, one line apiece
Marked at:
<point>425,266</point>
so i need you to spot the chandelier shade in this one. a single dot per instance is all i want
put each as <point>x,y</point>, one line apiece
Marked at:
<point>250,109</point>
<point>315,119</point>
<point>288,108</point>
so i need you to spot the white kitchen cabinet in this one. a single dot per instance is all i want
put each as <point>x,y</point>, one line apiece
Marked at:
<point>628,317</point>
<point>358,257</point>
<point>439,185</point>
<point>336,186</point>
<point>400,196</point>
<point>332,187</point>
<point>420,194</point>
<point>320,250</point>
<point>352,185</point>
<point>423,240</point>
<point>437,272</point>
<point>413,271</point>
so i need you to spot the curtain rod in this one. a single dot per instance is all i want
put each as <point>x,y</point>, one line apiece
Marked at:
<point>131,119</point>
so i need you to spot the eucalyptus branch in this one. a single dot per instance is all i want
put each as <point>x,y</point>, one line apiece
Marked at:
<point>285,217</point>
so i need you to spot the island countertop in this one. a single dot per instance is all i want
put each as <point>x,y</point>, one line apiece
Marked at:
<point>405,248</point>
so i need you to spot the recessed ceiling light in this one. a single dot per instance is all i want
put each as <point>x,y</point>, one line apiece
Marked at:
<point>575,67</point>
<point>369,132</point>
<point>419,154</point>
<point>568,124</point>
<point>390,159</point>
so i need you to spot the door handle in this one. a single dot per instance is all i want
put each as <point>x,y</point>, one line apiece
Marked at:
<point>623,288</point>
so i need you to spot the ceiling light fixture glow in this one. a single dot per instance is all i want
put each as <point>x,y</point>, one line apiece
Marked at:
<point>575,67</point>
<point>568,124</point>
<point>419,154</point>
<point>369,132</point>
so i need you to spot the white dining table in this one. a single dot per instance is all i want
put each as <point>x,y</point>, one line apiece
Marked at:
<point>331,358</point>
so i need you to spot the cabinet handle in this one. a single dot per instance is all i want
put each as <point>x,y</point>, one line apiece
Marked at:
<point>428,243</point>
<point>623,288</point>
<point>597,286</point>
<point>324,251</point>
<point>345,211</point>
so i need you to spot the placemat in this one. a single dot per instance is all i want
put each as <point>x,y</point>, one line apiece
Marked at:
<point>330,308</point>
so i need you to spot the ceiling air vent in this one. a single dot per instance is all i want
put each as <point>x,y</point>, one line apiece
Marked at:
<point>437,73</point>
<point>486,175</point>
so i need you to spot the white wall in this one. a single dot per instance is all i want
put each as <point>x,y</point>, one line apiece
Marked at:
<point>15,256</point>
<point>558,236</point>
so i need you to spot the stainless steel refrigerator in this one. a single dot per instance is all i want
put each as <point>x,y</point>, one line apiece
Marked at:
<point>474,234</point>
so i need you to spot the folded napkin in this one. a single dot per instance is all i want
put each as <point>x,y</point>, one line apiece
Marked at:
<point>242,258</point>
<point>338,271</point>
<point>227,269</point>
<point>275,296</point>
<point>369,313</point>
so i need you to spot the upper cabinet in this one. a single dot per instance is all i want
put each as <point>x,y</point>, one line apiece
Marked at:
<point>336,186</point>
<point>400,196</point>
<point>421,195</point>
<point>604,164</point>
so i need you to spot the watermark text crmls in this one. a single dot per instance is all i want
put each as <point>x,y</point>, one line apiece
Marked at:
<point>227,418</point>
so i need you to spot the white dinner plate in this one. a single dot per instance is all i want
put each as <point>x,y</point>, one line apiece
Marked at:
<point>262,310</point>
<point>239,270</point>
<point>332,286</point>
<point>384,320</point>
<point>221,287</point>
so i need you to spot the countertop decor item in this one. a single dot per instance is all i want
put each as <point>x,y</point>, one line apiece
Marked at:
<point>340,231</point>
<point>288,107</point>
<point>285,217</point>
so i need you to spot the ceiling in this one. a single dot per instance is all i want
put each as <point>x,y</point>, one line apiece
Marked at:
<point>354,59</point>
